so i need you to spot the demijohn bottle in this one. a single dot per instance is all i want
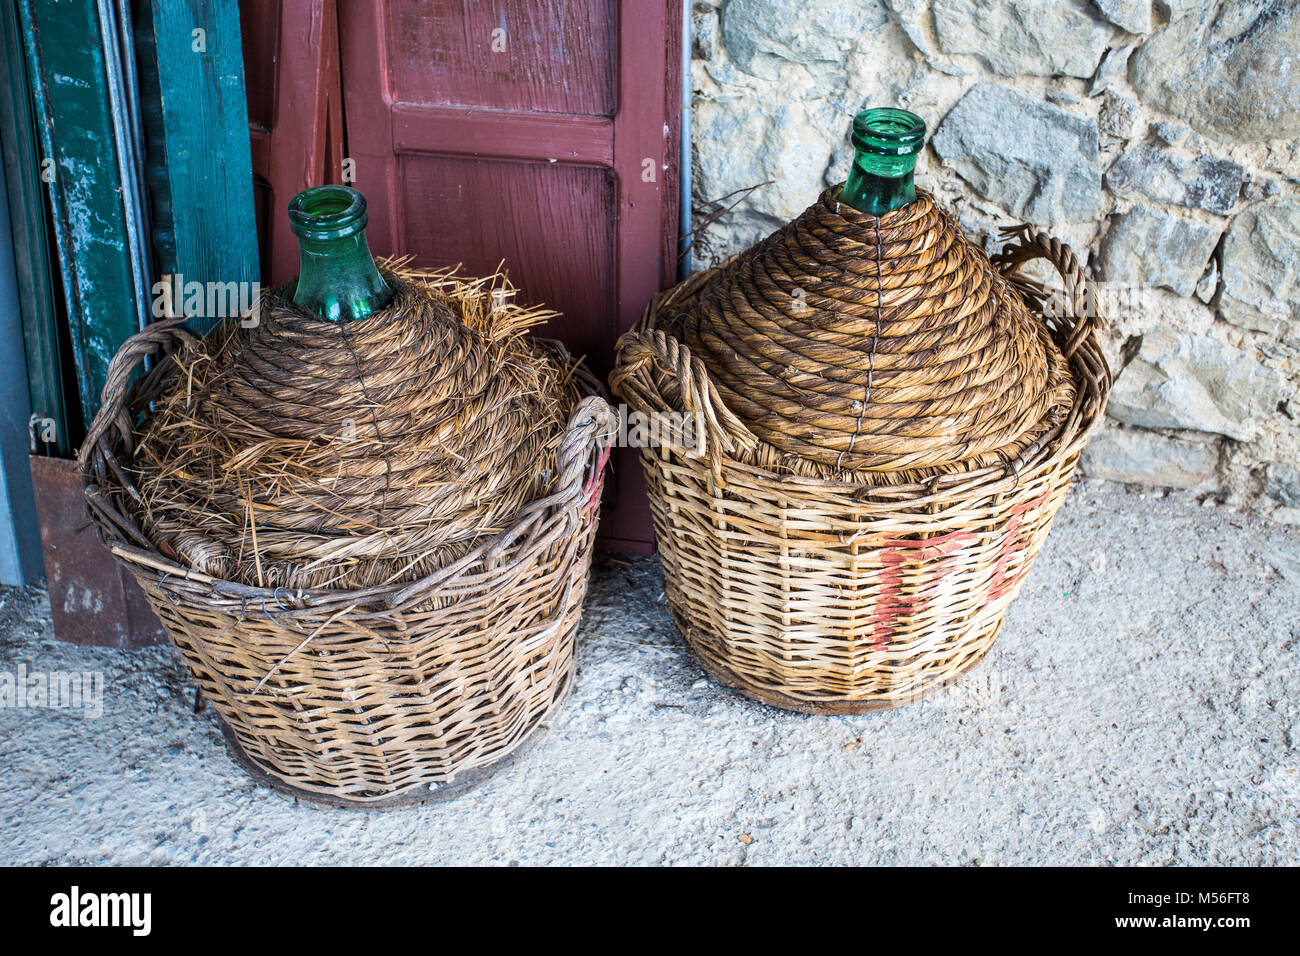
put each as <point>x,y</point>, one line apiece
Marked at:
<point>886,141</point>
<point>337,276</point>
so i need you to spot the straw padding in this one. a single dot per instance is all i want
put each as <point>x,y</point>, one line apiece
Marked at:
<point>374,695</point>
<point>302,452</point>
<point>834,596</point>
<point>877,350</point>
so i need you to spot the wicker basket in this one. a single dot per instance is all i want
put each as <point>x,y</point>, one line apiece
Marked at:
<point>375,696</point>
<point>837,597</point>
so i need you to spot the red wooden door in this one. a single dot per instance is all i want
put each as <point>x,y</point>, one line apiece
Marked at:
<point>539,132</point>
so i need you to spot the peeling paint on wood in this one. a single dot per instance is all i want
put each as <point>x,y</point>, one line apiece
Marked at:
<point>66,69</point>
<point>93,598</point>
<point>50,395</point>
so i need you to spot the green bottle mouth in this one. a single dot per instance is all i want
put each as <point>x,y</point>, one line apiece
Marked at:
<point>325,213</point>
<point>887,131</point>
<point>888,140</point>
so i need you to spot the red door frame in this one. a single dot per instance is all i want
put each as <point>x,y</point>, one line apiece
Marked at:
<point>304,144</point>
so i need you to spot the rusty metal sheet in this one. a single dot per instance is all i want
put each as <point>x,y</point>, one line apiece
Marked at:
<point>93,599</point>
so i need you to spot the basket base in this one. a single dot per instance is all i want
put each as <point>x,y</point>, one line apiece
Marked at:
<point>410,797</point>
<point>692,636</point>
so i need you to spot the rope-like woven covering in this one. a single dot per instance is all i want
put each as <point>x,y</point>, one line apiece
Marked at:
<point>432,673</point>
<point>302,452</point>
<point>881,350</point>
<point>835,595</point>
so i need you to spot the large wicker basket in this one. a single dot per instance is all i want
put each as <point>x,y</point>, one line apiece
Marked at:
<point>376,696</point>
<point>828,597</point>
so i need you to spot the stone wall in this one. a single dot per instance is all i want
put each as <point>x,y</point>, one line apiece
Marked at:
<point>1159,139</point>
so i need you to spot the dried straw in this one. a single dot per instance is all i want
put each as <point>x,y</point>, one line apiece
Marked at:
<point>307,453</point>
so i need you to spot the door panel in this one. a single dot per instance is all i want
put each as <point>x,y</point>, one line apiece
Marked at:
<point>508,203</point>
<point>555,57</point>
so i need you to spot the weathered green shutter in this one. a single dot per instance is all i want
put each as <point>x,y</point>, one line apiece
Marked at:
<point>70,85</point>
<point>200,169</point>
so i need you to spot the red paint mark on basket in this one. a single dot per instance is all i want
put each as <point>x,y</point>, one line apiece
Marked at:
<point>592,488</point>
<point>933,558</point>
<point>1015,543</point>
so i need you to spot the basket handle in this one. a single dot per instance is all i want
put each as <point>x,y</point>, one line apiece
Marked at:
<point>586,447</point>
<point>656,371</point>
<point>583,454</point>
<point>160,338</point>
<point>1081,313</point>
<point>582,457</point>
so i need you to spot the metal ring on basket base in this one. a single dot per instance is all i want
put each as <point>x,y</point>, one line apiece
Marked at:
<point>828,597</point>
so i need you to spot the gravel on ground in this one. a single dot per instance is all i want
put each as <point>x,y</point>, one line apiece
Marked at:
<point>1139,707</point>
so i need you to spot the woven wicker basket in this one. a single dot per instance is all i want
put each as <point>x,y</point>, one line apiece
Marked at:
<point>835,597</point>
<point>375,696</point>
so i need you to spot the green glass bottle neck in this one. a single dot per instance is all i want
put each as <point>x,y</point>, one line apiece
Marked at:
<point>868,191</point>
<point>337,276</point>
<point>886,144</point>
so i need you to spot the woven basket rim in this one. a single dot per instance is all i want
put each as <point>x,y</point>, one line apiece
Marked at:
<point>1079,341</point>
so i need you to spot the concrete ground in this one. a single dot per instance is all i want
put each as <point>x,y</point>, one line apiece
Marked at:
<point>1140,707</point>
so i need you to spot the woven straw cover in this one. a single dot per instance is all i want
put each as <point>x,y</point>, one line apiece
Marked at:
<point>843,590</point>
<point>876,349</point>
<point>414,686</point>
<point>301,452</point>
